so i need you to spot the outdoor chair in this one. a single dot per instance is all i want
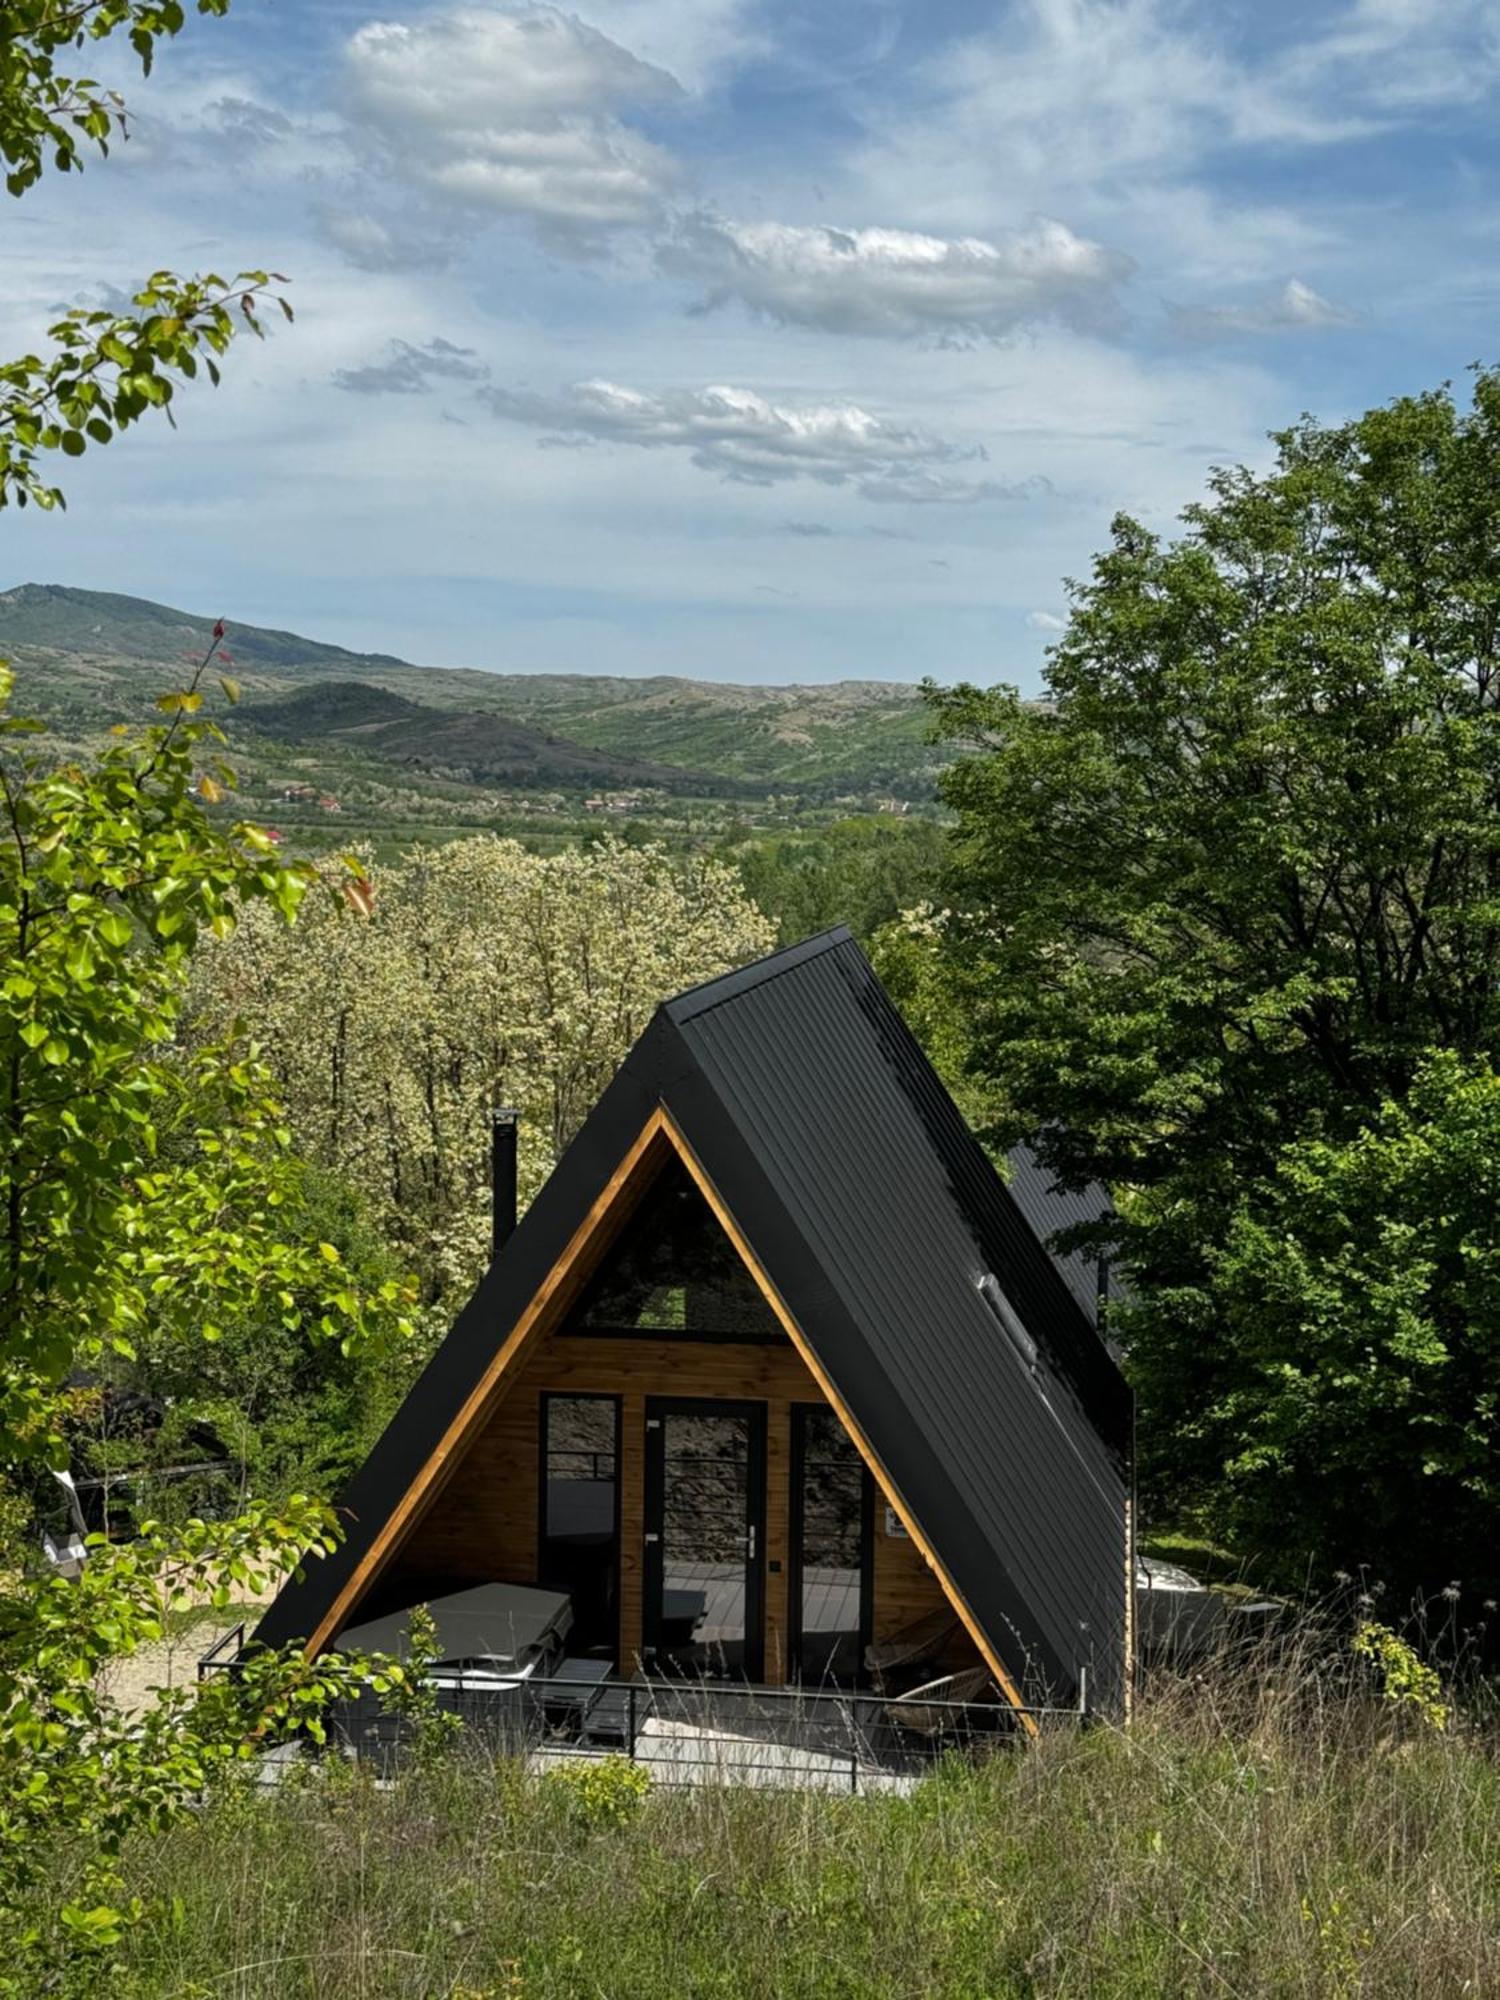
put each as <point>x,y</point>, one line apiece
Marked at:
<point>920,1710</point>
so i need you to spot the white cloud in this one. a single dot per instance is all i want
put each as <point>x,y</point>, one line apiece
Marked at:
<point>697,40</point>
<point>1080,96</point>
<point>510,111</point>
<point>1140,121</point>
<point>245,122</point>
<point>896,281</point>
<point>1400,58</point>
<point>1046,621</point>
<point>413,237</point>
<point>1292,308</point>
<point>743,437</point>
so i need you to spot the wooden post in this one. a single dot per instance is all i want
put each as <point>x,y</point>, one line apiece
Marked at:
<point>632,1526</point>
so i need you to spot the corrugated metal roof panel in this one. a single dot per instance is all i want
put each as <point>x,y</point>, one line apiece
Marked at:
<point>1051,1210</point>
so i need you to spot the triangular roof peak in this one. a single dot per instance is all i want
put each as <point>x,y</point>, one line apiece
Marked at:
<point>694,1000</point>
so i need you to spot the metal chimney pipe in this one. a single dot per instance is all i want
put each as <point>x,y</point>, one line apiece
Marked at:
<point>503,1132</point>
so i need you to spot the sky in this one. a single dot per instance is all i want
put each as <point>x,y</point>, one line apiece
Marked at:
<point>752,339</point>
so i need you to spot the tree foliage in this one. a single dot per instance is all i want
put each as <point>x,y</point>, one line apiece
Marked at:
<point>860,872</point>
<point>79,1773</point>
<point>1360,1292</point>
<point>485,975</point>
<point>1220,896</point>
<point>280,1410</point>
<point>143,1187</point>
<point>107,370</point>
<point>48,117</point>
<point>147,1195</point>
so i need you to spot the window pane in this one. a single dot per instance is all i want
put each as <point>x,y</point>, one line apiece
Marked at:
<point>705,1542</point>
<point>675,1271</point>
<point>578,1512</point>
<point>832,1550</point>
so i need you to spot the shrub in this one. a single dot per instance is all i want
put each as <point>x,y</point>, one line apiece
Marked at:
<point>609,1791</point>
<point>1406,1679</point>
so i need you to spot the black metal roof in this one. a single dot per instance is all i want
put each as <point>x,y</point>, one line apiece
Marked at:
<point>829,1138</point>
<point>1055,1211</point>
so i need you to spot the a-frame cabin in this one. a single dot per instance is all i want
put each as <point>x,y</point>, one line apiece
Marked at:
<point>775,1369</point>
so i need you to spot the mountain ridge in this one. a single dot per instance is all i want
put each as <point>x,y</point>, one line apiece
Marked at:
<point>102,655</point>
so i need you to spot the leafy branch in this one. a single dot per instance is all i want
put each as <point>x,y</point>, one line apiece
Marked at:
<point>109,369</point>
<point>45,114</point>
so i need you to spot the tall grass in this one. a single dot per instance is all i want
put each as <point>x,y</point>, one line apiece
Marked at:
<point>1276,1829</point>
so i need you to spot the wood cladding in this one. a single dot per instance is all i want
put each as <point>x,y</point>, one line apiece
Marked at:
<point>472,1515</point>
<point>484,1524</point>
<point>607,1214</point>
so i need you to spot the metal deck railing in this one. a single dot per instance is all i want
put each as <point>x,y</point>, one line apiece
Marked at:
<point>223,1653</point>
<point>694,1733</point>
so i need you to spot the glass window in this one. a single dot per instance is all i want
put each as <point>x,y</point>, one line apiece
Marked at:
<point>708,1467</point>
<point>579,1553</point>
<point>674,1271</point>
<point>830,1513</point>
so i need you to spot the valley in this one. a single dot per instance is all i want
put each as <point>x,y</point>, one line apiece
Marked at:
<point>339,745</point>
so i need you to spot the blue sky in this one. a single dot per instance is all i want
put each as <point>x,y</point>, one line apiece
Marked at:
<point>753,340</point>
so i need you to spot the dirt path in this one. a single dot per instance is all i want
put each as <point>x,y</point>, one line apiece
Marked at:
<point>131,1683</point>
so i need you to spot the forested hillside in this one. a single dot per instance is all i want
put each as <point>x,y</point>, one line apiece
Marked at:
<point>102,656</point>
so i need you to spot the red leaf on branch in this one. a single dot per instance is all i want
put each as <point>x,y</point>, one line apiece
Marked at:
<point>219,628</point>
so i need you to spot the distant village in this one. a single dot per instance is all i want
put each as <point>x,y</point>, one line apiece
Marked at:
<point>309,795</point>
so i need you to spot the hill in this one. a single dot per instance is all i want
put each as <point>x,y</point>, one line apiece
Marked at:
<point>93,656</point>
<point>86,622</point>
<point>466,746</point>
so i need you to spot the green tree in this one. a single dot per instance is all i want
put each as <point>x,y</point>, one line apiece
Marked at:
<point>1360,1287</point>
<point>147,1195</point>
<point>484,976</point>
<point>1220,896</point>
<point>145,1191</point>
<point>275,1410</point>
<point>861,872</point>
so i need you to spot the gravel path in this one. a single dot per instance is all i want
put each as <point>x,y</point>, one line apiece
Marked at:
<point>132,1683</point>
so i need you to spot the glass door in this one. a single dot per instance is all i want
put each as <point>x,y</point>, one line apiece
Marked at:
<point>705,1524</point>
<point>831,1548</point>
<point>580,1524</point>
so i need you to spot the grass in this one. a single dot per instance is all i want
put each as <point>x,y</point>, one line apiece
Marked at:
<point>1277,1832</point>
